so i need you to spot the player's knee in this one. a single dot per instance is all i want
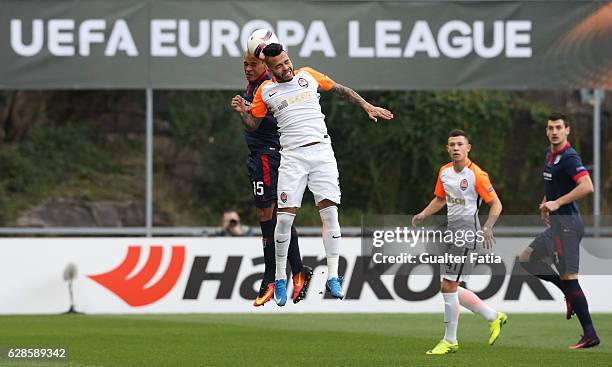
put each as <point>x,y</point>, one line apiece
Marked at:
<point>525,256</point>
<point>329,218</point>
<point>568,276</point>
<point>448,286</point>
<point>265,214</point>
<point>288,210</point>
<point>325,203</point>
<point>284,221</point>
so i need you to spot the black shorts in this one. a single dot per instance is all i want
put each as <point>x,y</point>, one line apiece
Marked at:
<point>560,242</point>
<point>263,172</point>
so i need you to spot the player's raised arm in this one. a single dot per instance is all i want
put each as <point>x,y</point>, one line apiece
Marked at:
<point>373,112</point>
<point>239,105</point>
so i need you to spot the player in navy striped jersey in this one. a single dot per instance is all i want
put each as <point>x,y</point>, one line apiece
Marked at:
<point>262,165</point>
<point>566,180</point>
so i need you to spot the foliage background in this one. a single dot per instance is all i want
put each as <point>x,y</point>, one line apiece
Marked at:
<point>89,146</point>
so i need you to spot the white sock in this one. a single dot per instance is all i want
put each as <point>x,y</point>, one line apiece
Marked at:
<point>472,302</point>
<point>332,267</point>
<point>331,239</point>
<point>282,238</point>
<point>451,316</point>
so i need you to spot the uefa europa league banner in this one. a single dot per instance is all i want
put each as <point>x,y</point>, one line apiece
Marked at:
<point>367,45</point>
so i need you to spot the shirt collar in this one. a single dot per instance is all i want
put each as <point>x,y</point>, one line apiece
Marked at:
<point>263,75</point>
<point>567,145</point>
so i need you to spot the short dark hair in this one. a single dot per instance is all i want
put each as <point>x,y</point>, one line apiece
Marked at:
<point>558,116</point>
<point>458,132</point>
<point>230,210</point>
<point>273,49</point>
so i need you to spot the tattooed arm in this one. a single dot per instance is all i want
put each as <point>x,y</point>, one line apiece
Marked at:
<point>350,95</point>
<point>250,122</point>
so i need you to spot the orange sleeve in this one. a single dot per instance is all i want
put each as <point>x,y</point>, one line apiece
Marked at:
<point>259,109</point>
<point>484,188</point>
<point>325,82</point>
<point>439,190</point>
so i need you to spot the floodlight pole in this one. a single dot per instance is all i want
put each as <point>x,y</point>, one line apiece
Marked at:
<point>595,99</point>
<point>149,153</point>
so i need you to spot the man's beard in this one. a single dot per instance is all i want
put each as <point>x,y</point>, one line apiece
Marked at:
<point>280,77</point>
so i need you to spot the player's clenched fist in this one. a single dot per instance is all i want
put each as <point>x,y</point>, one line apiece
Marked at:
<point>238,104</point>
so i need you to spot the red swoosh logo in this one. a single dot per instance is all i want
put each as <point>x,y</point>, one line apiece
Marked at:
<point>132,290</point>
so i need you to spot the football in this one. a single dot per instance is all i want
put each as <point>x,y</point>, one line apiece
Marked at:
<point>258,40</point>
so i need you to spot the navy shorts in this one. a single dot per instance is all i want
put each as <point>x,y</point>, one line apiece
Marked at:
<point>560,242</point>
<point>263,172</point>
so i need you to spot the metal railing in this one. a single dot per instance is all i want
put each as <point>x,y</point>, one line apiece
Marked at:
<point>210,231</point>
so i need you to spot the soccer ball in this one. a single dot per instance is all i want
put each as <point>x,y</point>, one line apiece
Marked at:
<point>258,40</point>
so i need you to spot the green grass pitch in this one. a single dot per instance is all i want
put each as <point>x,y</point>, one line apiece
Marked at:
<point>301,339</point>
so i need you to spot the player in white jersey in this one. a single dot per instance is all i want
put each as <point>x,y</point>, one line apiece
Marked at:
<point>462,186</point>
<point>307,158</point>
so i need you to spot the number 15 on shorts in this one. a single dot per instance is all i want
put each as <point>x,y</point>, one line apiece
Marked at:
<point>258,188</point>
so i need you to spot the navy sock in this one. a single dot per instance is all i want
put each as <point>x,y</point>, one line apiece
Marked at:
<point>543,271</point>
<point>267,232</point>
<point>293,256</point>
<point>576,297</point>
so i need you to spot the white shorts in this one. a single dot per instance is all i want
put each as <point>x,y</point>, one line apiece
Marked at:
<point>313,166</point>
<point>454,271</point>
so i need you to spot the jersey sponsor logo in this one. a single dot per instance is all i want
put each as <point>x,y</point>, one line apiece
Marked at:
<point>303,96</point>
<point>464,184</point>
<point>271,94</point>
<point>282,105</point>
<point>132,290</point>
<point>303,83</point>
<point>283,197</point>
<point>455,201</point>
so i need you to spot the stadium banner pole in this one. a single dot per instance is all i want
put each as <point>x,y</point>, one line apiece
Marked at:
<point>149,153</point>
<point>598,96</point>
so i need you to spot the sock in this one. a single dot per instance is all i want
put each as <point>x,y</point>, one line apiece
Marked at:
<point>543,271</point>
<point>331,239</point>
<point>576,298</point>
<point>451,316</point>
<point>472,302</point>
<point>267,232</point>
<point>295,259</point>
<point>282,235</point>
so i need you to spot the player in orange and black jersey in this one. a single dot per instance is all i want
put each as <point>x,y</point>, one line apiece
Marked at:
<point>262,164</point>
